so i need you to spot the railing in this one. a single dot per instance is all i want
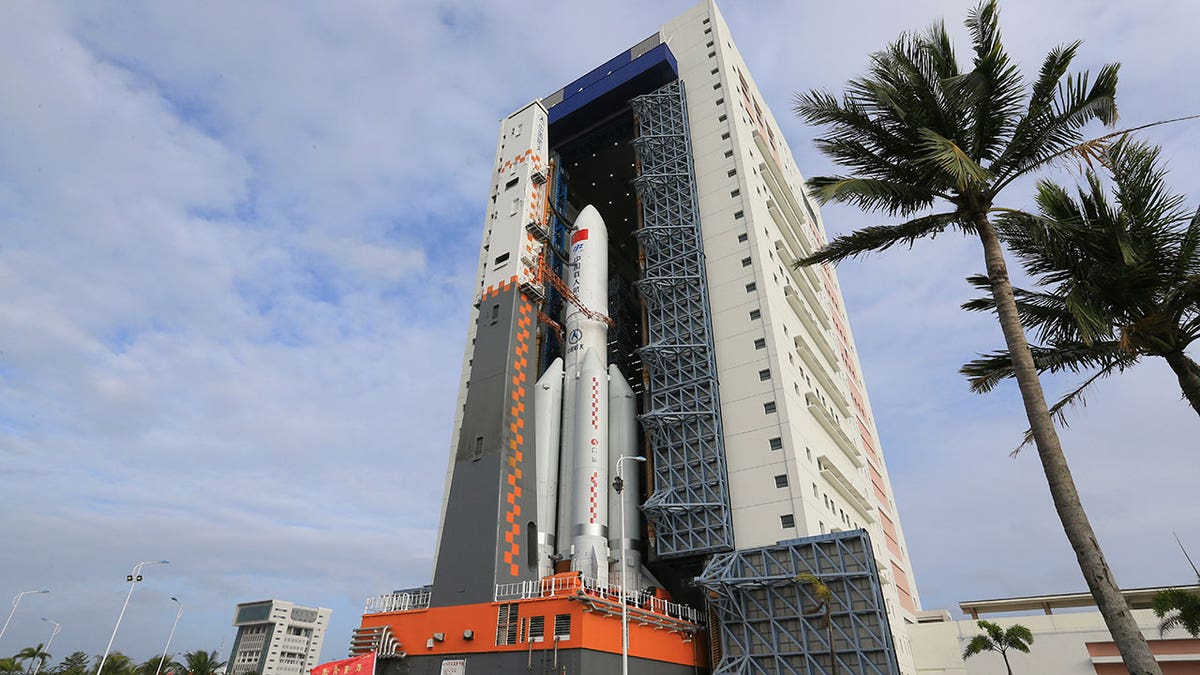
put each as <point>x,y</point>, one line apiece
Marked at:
<point>397,602</point>
<point>579,585</point>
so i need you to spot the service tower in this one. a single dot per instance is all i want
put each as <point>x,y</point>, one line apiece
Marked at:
<point>637,316</point>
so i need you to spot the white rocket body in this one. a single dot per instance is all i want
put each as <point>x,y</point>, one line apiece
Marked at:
<point>585,357</point>
<point>547,415</point>
<point>584,425</point>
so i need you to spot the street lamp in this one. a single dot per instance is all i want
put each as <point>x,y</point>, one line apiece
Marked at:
<point>619,485</point>
<point>48,643</point>
<point>133,577</point>
<point>173,627</point>
<point>17,601</point>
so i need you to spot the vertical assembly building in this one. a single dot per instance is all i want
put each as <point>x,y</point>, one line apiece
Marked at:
<point>638,316</point>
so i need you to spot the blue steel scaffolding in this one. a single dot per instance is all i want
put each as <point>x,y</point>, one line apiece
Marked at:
<point>689,503</point>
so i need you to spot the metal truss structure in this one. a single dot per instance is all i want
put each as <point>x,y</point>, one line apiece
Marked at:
<point>772,622</point>
<point>689,504</point>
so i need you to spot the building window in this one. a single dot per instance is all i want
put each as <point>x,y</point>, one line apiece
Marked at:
<point>506,624</point>
<point>781,480</point>
<point>512,183</point>
<point>738,214</point>
<point>760,343</point>
<point>735,193</point>
<point>764,375</point>
<point>746,262</point>
<point>776,443</point>
<point>769,407</point>
<point>711,54</point>
<point>562,627</point>
<point>722,118</point>
<point>787,520</point>
<point>751,287</point>
<point>755,315</point>
<point>731,173</point>
<point>720,101</point>
<point>808,452</point>
<point>814,489</point>
<point>728,154</point>
<point>537,629</point>
<point>713,71</point>
<point>725,136</point>
<point>743,237</point>
<point>707,30</point>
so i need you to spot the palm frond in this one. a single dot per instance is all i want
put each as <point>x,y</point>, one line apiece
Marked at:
<point>947,155</point>
<point>892,197</point>
<point>1058,411</point>
<point>879,238</point>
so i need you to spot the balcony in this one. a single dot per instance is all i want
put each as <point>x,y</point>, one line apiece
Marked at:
<point>833,429</point>
<point>842,484</point>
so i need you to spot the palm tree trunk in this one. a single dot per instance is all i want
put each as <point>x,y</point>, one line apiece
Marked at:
<point>1006,666</point>
<point>1189,376</point>
<point>1128,639</point>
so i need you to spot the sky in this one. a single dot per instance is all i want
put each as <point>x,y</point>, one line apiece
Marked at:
<point>237,245</point>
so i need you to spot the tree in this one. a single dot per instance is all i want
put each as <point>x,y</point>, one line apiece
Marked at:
<point>917,131</point>
<point>999,640</point>
<point>32,655</point>
<point>75,664</point>
<point>1121,280</point>
<point>824,609</point>
<point>117,664</point>
<point>169,666</point>
<point>201,662</point>
<point>1178,609</point>
<point>10,666</point>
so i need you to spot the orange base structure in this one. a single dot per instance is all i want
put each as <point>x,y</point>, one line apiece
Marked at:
<point>540,621</point>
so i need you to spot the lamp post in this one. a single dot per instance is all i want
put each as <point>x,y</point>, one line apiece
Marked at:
<point>168,645</point>
<point>133,577</point>
<point>619,485</point>
<point>17,601</point>
<point>48,643</point>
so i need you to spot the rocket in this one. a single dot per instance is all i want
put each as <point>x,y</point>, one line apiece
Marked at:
<point>585,416</point>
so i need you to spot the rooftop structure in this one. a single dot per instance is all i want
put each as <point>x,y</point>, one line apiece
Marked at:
<point>276,637</point>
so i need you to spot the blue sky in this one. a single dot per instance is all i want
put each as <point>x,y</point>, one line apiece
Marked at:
<point>239,241</point>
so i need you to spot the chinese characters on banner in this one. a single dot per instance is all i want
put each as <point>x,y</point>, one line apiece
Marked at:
<point>359,665</point>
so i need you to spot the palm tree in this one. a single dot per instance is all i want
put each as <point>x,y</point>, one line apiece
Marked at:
<point>117,664</point>
<point>201,662</point>
<point>1122,279</point>
<point>1178,609</point>
<point>999,640</point>
<point>824,609</point>
<point>169,666</point>
<point>31,655</point>
<point>9,665</point>
<point>917,131</point>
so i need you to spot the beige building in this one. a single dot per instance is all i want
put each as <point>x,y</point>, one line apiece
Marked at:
<point>276,637</point>
<point>1069,638</point>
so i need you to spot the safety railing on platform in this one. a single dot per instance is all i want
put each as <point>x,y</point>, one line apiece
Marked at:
<point>570,585</point>
<point>402,601</point>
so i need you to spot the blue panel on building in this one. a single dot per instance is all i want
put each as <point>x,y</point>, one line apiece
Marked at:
<point>609,87</point>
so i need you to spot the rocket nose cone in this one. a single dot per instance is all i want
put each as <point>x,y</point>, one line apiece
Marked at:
<point>588,217</point>
<point>591,361</point>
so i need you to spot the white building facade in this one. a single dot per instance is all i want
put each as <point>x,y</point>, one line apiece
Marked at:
<point>1069,638</point>
<point>276,637</point>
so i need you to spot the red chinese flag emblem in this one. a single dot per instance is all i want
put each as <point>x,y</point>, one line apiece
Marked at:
<point>359,665</point>
<point>579,236</point>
